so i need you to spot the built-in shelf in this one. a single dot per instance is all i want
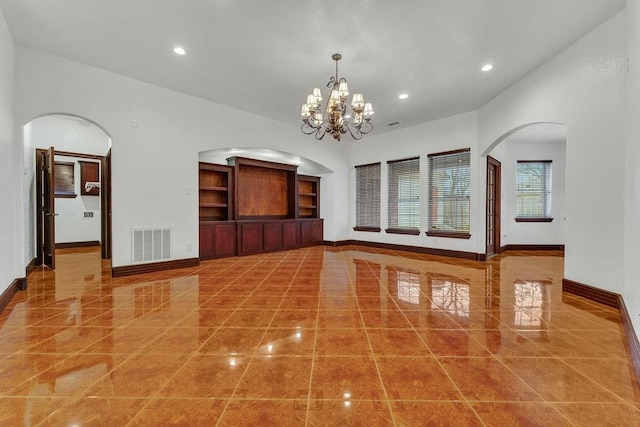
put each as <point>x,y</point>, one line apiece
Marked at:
<point>308,200</point>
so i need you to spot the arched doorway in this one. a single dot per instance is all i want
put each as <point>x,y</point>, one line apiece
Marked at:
<point>67,168</point>
<point>531,143</point>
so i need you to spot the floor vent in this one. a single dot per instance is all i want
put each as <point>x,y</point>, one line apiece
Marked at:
<point>151,244</point>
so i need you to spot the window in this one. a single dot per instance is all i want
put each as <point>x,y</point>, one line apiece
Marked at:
<point>404,196</point>
<point>64,179</point>
<point>533,191</point>
<point>368,197</point>
<point>449,184</point>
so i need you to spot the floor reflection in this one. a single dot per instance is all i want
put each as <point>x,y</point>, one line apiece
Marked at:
<point>351,333</point>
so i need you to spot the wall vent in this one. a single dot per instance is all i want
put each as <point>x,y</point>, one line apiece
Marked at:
<point>151,244</point>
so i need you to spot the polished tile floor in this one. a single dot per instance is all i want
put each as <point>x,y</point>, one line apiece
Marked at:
<point>317,337</point>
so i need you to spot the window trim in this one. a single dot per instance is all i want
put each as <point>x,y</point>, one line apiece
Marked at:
<point>448,234</point>
<point>532,219</point>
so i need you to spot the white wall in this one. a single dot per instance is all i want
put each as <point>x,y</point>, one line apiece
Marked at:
<point>10,167</point>
<point>583,87</point>
<point>155,164</point>
<point>71,224</point>
<point>447,134</point>
<point>631,291</point>
<point>533,233</point>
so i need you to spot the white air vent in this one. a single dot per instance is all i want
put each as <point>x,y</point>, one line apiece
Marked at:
<point>151,244</point>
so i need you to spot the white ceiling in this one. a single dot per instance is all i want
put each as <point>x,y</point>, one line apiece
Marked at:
<point>265,56</point>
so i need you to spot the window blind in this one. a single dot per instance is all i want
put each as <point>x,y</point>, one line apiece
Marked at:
<point>368,197</point>
<point>449,192</point>
<point>533,189</point>
<point>404,194</point>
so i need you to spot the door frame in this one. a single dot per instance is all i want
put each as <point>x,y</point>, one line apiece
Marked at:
<point>105,201</point>
<point>497,199</point>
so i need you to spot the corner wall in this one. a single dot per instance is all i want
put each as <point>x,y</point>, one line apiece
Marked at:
<point>10,166</point>
<point>631,291</point>
<point>582,87</point>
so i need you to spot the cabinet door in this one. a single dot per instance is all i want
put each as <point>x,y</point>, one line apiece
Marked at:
<point>311,233</point>
<point>291,235</point>
<point>206,242</point>
<point>250,238</point>
<point>225,240</point>
<point>273,236</point>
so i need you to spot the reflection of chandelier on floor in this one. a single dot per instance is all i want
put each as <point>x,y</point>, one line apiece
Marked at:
<point>337,118</point>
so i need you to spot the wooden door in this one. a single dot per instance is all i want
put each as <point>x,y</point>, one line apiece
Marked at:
<point>493,206</point>
<point>105,201</point>
<point>48,211</point>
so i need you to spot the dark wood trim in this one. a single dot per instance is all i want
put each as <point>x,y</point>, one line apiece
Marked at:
<point>447,153</point>
<point>77,244</point>
<point>65,196</point>
<point>368,164</point>
<point>632,339</point>
<point>30,267</point>
<point>535,161</point>
<point>128,270</point>
<point>402,231</point>
<point>403,160</point>
<point>497,205</point>
<point>534,219</point>
<point>371,229</point>
<point>589,292</point>
<point>451,235</point>
<point>79,155</point>
<point>233,161</point>
<point>7,295</point>
<point>532,248</point>
<point>407,248</point>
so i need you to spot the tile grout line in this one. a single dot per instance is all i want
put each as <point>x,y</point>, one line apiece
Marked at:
<point>224,410</point>
<point>187,360</point>
<point>366,332</point>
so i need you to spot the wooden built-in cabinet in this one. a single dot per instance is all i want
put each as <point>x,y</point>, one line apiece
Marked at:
<point>216,197</point>
<point>252,206</point>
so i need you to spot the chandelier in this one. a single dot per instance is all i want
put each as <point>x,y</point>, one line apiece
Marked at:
<point>338,117</point>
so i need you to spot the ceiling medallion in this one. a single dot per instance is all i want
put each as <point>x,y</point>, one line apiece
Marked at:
<point>338,116</point>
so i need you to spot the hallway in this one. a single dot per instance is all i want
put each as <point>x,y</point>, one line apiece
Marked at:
<point>316,336</point>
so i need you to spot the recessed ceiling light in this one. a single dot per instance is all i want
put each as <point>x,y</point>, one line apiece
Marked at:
<point>179,50</point>
<point>403,96</point>
<point>487,67</point>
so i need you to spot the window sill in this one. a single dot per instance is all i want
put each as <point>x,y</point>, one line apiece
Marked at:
<point>534,219</point>
<point>451,235</point>
<point>371,229</point>
<point>403,231</point>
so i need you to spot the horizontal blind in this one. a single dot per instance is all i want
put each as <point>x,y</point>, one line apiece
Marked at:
<point>449,192</point>
<point>368,196</point>
<point>404,194</point>
<point>533,189</point>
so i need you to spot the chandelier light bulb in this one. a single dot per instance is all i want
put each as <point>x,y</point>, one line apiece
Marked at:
<point>368,109</point>
<point>317,94</point>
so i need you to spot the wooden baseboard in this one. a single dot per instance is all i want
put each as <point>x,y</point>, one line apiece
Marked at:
<point>418,249</point>
<point>592,293</point>
<point>68,245</point>
<point>632,339</point>
<point>30,267</point>
<point>128,270</point>
<point>14,287</point>
<point>531,248</point>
